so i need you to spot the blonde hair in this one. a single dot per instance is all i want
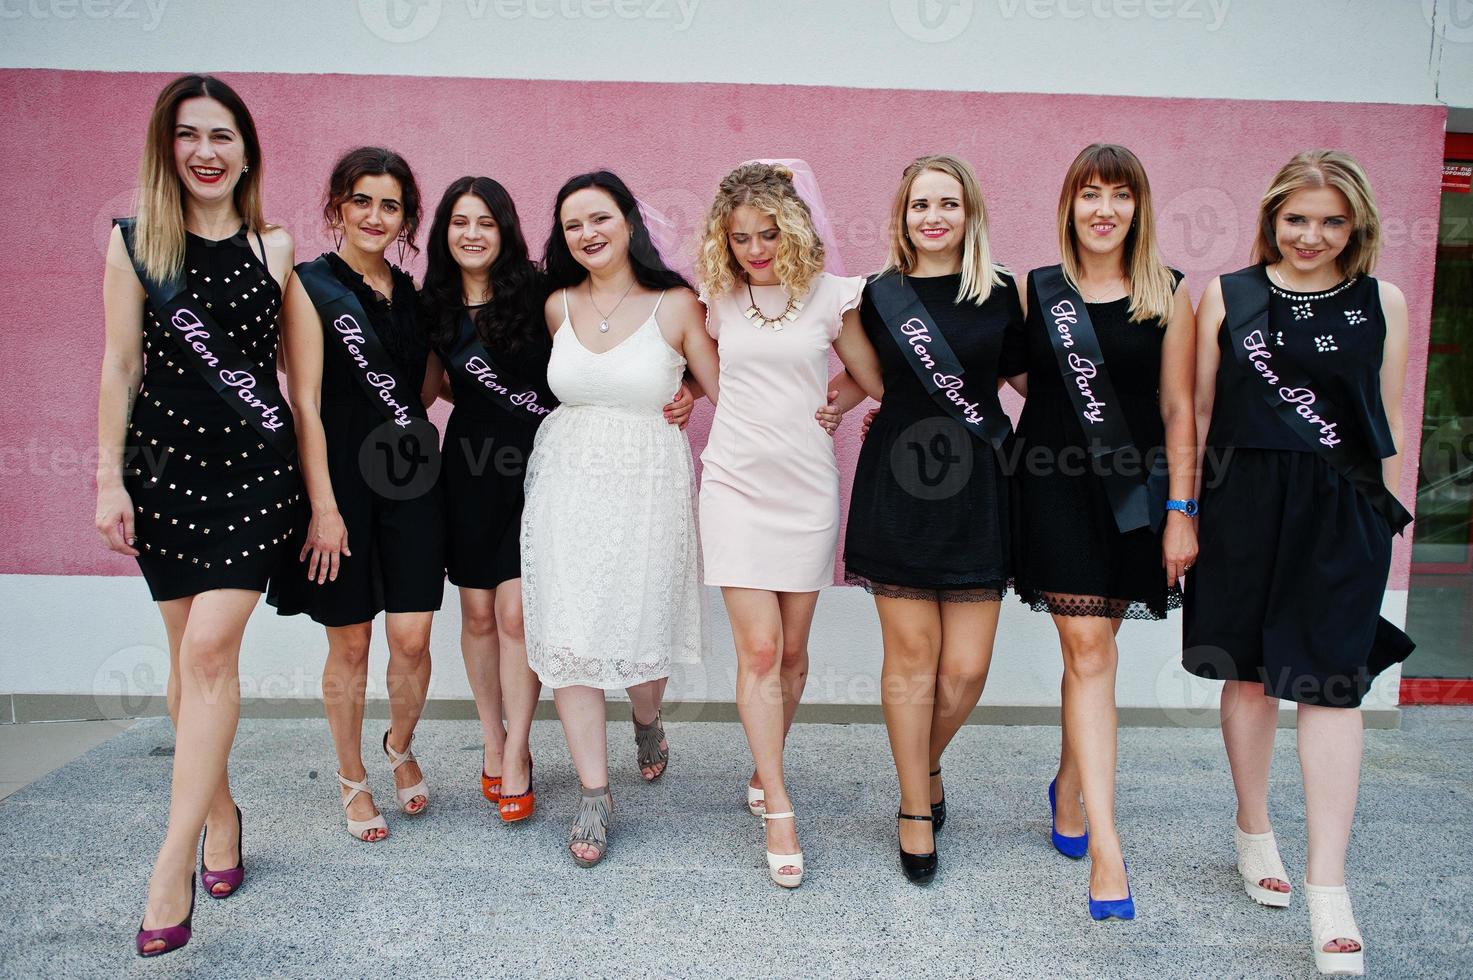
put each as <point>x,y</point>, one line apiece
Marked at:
<point>1152,286</point>
<point>1324,168</point>
<point>979,272</point>
<point>769,189</point>
<point>159,235</point>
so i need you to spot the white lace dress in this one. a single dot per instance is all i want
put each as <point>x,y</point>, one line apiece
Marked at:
<point>611,565</point>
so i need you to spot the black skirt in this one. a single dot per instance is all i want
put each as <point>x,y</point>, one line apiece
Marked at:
<point>396,529</point>
<point>484,474</point>
<point>928,513</point>
<point>1290,575</point>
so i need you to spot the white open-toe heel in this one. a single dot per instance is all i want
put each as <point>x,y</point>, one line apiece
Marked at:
<point>1330,917</point>
<point>776,862</point>
<point>421,788</point>
<point>1258,858</point>
<point>357,828</point>
<point>756,800</point>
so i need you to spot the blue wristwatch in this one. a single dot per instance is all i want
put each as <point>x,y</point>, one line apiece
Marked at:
<point>1187,507</point>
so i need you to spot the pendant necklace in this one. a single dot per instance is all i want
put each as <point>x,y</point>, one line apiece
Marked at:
<point>760,319</point>
<point>603,324</point>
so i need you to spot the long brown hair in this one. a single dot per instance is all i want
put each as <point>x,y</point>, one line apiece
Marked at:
<point>980,272</point>
<point>1151,283</point>
<point>160,224</point>
<point>1324,168</point>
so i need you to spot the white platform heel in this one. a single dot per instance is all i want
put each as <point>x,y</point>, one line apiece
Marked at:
<point>756,800</point>
<point>1258,858</point>
<point>776,862</point>
<point>1330,917</point>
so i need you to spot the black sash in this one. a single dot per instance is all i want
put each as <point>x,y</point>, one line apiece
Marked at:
<point>934,362</point>
<point>253,393</point>
<point>1311,415</point>
<point>1137,492</point>
<point>347,330</point>
<point>470,359</point>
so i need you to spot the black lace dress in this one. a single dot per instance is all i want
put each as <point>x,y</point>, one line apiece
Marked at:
<point>396,531</point>
<point>214,505</point>
<point>928,515</point>
<point>1071,559</point>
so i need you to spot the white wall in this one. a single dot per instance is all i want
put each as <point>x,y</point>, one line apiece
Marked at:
<point>112,649</point>
<point>1303,50</point>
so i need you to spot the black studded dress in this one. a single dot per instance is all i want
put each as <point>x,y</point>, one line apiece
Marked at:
<point>214,504</point>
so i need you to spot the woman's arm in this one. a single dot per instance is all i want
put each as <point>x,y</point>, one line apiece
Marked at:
<point>1178,366</point>
<point>122,372</point>
<point>688,324</point>
<point>327,536</point>
<point>1393,376</point>
<point>1210,312</point>
<point>435,385</point>
<point>858,355</point>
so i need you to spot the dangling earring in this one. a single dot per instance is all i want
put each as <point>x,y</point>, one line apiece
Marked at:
<point>245,170</point>
<point>402,242</point>
<point>337,238</point>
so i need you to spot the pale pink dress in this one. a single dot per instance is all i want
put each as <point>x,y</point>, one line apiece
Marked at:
<point>769,503</point>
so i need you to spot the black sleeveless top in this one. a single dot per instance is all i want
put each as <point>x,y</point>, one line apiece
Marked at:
<point>1332,340</point>
<point>396,322</point>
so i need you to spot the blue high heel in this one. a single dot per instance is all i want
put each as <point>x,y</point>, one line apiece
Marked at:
<point>1114,908</point>
<point>1070,847</point>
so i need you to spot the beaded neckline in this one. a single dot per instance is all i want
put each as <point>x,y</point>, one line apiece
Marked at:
<point>1291,294</point>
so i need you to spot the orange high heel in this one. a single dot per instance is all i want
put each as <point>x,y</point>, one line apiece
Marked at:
<point>491,787</point>
<point>520,806</point>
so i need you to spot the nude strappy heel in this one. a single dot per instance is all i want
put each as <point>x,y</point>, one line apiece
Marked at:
<point>756,800</point>
<point>1331,917</point>
<point>357,828</point>
<point>776,862</point>
<point>397,759</point>
<point>1258,859</point>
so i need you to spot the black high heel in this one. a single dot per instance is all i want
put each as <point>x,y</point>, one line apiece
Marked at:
<point>938,810</point>
<point>919,868</point>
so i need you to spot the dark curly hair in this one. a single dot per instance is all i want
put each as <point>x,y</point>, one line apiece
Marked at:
<point>650,270</point>
<point>374,161</point>
<point>512,320</point>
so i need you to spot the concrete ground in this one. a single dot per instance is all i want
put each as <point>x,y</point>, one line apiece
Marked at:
<point>684,891</point>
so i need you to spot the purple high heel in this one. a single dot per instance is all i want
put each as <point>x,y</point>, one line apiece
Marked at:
<point>234,877</point>
<point>173,936</point>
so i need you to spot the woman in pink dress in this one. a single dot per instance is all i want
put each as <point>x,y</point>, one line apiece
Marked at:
<point>769,503</point>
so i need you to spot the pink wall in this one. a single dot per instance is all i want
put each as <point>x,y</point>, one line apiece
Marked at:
<point>72,141</point>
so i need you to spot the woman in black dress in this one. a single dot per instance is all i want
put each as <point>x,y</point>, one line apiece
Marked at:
<point>928,516</point>
<point>1093,546</point>
<point>1300,363</point>
<point>196,475</point>
<point>483,313</point>
<point>360,374</point>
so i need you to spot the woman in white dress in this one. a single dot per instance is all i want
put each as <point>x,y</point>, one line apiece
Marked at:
<point>610,559</point>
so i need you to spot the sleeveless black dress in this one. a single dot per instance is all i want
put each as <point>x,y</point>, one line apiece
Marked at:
<point>397,540</point>
<point>928,514</point>
<point>1293,559</point>
<point>214,505</point>
<point>486,450</point>
<point>1070,557</point>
